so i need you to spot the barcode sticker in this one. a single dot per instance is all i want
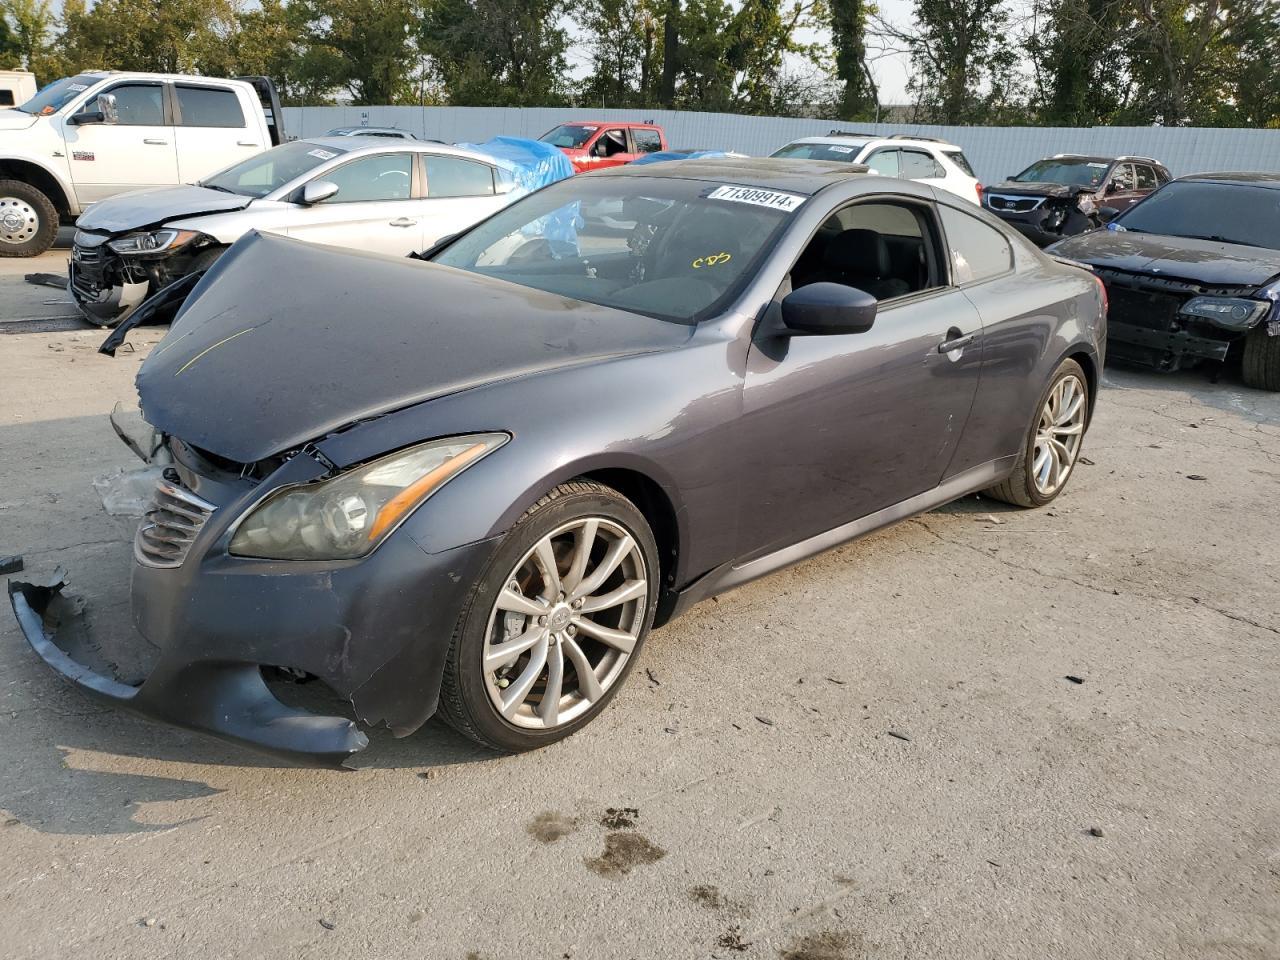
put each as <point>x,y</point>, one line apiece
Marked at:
<point>774,199</point>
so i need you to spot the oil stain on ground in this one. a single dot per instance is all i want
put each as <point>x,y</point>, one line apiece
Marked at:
<point>549,826</point>
<point>827,945</point>
<point>620,818</point>
<point>623,852</point>
<point>731,939</point>
<point>709,896</point>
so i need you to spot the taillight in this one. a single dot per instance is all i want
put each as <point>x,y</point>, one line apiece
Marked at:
<point>978,188</point>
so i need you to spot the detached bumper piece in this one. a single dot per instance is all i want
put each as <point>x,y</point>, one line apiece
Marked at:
<point>225,699</point>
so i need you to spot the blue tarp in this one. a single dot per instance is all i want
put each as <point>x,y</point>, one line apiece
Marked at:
<point>531,164</point>
<point>662,155</point>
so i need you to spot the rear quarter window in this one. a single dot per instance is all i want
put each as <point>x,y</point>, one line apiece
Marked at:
<point>960,160</point>
<point>977,251</point>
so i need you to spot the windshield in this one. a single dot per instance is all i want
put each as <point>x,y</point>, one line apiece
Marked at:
<point>54,96</point>
<point>1072,173</point>
<point>667,248</point>
<point>267,172</point>
<point>1230,212</point>
<point>822,151</point>
<point>571,136</point>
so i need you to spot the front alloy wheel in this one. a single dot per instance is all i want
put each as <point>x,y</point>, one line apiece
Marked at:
<point>551,631</point>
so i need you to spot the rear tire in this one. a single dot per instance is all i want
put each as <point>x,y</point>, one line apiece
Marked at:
<point>1261,361</point>
<point>28,220</point>
<point>589,616</point>
<point>1024,487</point>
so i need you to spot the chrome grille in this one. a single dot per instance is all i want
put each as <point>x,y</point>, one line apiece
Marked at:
<point>1012,204</point>
<point>170,526</point>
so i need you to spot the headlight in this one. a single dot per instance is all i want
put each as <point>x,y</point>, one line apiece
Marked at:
<point>347,516</point>
<point>152,242</point>
<point>1232,313</point>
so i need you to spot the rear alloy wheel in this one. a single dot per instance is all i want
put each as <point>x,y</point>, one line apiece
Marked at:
<point>28,220</point>
<point>1260,366</point>
<point>1053,445</point>
<point>552,630</point>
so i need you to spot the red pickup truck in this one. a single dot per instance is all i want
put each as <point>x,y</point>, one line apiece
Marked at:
<point>596,144</point>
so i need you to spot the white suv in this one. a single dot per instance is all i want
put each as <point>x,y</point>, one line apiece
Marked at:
<point>931,161</point>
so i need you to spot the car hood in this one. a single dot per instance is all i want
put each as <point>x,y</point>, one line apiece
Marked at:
<point>16,120</point>
<point>1200,261</point>
<point>145,208</point>
<point>1037,189</point>
<point>283,342</point>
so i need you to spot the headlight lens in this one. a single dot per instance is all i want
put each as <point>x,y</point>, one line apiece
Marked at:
<point>1233,313</point>
<point>347,516</point>
<point>153,242</point>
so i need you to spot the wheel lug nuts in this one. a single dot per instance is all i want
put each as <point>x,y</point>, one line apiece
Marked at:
<point>572,630</point>
<point>542,621</point>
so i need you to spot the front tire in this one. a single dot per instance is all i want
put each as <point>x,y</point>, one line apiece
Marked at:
<point>552,628</point>
<point>1260,367</point>
<point>1053,443</point>
<point>28,220</point>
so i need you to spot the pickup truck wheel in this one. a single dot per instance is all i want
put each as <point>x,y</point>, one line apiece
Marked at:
<point>28,220</point>
<point>1261,361</point>
<point>1053,444</point>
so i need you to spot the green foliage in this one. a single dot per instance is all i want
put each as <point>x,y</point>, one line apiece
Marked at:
<point>496,53</point>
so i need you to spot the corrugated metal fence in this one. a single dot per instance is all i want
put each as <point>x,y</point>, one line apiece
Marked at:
<point>995,152</point>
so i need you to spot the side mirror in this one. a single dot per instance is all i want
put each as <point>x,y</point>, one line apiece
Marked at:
<point>318,191</point>
<point>107,107</point>
<point>828,308</point>
<point>1107,214</point>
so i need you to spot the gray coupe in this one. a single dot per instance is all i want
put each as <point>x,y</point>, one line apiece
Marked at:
<point>473,485</point>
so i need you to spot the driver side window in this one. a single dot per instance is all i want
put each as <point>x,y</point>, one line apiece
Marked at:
<point>385,176</point>
<point>886,249</point>
<point>611,142</point>
<point>137,104</point>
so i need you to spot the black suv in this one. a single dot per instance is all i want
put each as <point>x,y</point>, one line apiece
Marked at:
<point>1062,195</point>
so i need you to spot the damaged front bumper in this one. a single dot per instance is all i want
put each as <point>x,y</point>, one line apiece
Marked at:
<point>374,631</point>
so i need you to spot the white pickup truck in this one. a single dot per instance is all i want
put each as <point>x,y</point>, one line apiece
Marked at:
<point>88,137</point>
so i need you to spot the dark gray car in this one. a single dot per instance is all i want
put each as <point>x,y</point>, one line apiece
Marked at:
<point>473,485</point>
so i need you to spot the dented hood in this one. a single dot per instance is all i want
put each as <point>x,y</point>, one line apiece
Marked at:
<point>1045,189</point>
<point>146,208</point>
<point>1208,262</point>
<point>284,342</point>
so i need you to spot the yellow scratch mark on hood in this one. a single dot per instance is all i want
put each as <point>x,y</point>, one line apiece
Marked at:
<point>209,348</point>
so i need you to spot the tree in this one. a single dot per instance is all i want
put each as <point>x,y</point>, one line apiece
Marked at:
<point>1177,58</point>
<point>962,58</point>
<point>10,55</point>
<point>859,98</point>
<point>30,28</point>
<point>1078,56</point>
<point>495,53</point>
<point>362,46</point>
<point>176,36</point>
<point>626,51</point>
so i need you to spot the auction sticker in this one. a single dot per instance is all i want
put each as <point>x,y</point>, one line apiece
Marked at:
<point>841,149</point>
<point>321,154</point>
<point>78,87</point>
<point>761,198</point>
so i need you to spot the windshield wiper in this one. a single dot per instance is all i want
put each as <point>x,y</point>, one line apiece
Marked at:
<point>1217,238</point>
<point>214,186</point>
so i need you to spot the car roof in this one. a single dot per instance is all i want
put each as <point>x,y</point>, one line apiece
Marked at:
<point>767,173</point>
<point>363,131</point>
<point>345,144</point>
<point>606,123</point>
<point>844,139</point>
<point>1268,180</point>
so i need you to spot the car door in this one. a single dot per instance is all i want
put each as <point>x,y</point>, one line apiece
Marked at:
<point>921,165</point>
<point>884,161</point>
<point>645,140</point>
<point>460,193</point>
<point>1122,188</point>
<point>837,427</point>
<point>210,130</point>
<point>374,208</point>
<point>1145,179</point>
<point>610,148</point>
<point>137,151</point>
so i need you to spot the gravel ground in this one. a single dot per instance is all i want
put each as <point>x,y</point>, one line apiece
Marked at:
<point>878,753</point>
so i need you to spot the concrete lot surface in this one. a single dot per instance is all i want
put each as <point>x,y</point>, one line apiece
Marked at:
<point>878,753</point>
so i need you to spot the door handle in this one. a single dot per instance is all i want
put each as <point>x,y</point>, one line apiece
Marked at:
<point>155,143</point>
<point>403,222</point>
<point>246,143</point>
<point>956,340</point>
